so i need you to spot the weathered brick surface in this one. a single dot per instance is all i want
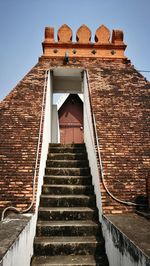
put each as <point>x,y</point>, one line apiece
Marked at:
<point>120,103</point>
<point>120,97</point>
<point>19,126</point>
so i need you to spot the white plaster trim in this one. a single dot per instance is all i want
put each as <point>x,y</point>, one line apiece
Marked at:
<point>90,146</point>
<point>112,243</point>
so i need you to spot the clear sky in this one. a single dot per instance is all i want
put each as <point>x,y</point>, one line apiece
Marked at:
<point>22,24</point>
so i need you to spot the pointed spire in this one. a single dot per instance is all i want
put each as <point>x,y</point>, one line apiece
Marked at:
<point>102,35</point>
<point>83,34</point>
<point>64,34</point>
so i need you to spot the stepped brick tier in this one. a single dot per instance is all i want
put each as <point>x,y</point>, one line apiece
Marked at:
<point>68,231</point>
<point>120,102</point>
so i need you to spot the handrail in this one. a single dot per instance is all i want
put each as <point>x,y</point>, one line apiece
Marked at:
<point>100,158</point>
<point>37,158</point>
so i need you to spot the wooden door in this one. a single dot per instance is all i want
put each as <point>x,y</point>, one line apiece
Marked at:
<point>71,120</point>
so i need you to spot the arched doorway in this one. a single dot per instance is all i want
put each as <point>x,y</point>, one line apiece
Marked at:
<point>71,120</point>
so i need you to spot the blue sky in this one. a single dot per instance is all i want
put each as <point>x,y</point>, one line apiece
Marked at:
<point>22,24</point>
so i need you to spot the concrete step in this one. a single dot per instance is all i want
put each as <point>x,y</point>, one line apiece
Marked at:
<point>67,145</point>
<point>68,228</point>
<point>80,245</point>
<point>68,231</point>
<point>71,213</point>
<point>71,260</point>
<point>67,171</point>
<point>67,149</point>
<point>67,201</point>
<point>68,189</point>
<point>67,156</point>
<point>66,163</point>
<point>68,180</point>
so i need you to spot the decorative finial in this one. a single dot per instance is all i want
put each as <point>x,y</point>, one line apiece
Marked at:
<point>117,37</point>
<point>49,34</point>
<point>102,35</point>
<point>83,34</point>
<point>64,34</point>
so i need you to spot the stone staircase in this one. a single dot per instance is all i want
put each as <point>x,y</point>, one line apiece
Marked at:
<point>68,231</point>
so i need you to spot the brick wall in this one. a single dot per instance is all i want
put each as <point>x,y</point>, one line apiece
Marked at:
<point>120,104</point>
<point>19,126</point>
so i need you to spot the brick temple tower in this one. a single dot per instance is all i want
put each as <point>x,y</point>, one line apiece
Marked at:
<point>106,111</point>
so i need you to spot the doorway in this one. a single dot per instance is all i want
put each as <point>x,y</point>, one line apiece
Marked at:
<point>71,120</point>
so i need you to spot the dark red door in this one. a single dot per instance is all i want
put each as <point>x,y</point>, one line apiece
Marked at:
<point>71,120</point>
